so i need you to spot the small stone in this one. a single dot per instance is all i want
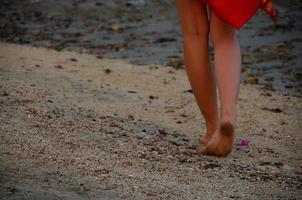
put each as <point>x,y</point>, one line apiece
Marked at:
<point>107,71</point>
<point>211,165</point>
<point>58,66</point>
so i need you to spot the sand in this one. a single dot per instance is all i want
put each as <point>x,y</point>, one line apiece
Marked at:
<point>73,126</point>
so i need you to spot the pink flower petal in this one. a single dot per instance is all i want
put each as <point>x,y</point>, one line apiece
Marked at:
<point>101,54</point>
<point>156,35</point>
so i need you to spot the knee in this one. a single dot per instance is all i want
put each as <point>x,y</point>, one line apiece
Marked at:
<point>193,18</point>
<point>222,34</point>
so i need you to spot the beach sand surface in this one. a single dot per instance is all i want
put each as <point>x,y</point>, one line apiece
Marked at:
<point>73,126</point>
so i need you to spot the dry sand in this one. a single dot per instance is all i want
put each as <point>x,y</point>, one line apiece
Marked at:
<point>76,127</point>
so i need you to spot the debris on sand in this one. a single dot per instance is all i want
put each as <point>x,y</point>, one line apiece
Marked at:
<point>243,143</point>
<point>58,66</point>
<point>101,54</point>
<point>160,134</point>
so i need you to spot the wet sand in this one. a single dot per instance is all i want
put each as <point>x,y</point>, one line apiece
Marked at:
<point>73,126</point>
<point>148,32</point>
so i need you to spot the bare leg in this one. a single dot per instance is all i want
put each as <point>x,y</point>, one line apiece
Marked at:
<point>227,65</point>
<point>195,29</point>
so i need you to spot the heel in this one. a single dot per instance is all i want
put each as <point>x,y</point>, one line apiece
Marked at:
<point>226,129</point>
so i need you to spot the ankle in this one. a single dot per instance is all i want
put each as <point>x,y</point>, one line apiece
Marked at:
<point>229,117</point>
<point>211,126</point>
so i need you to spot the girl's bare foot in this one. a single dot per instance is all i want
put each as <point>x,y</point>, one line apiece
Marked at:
<point>211,128</point>
<point>206,138</point>
<point>222,141</point>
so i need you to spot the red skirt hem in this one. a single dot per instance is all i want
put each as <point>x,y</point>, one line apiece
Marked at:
<point>238,12</point>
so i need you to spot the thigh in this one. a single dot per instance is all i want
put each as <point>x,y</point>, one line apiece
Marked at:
<point>219,28</point>
<point>193,17</point>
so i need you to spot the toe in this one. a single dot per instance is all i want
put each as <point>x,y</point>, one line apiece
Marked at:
<point>204,140</point>
<point>206,151</point>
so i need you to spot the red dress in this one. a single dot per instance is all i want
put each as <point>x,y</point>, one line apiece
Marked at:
<point>238,12</point>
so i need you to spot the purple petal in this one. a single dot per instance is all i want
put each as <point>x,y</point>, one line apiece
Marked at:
<point>243,143</point>
<point>161,134</point>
